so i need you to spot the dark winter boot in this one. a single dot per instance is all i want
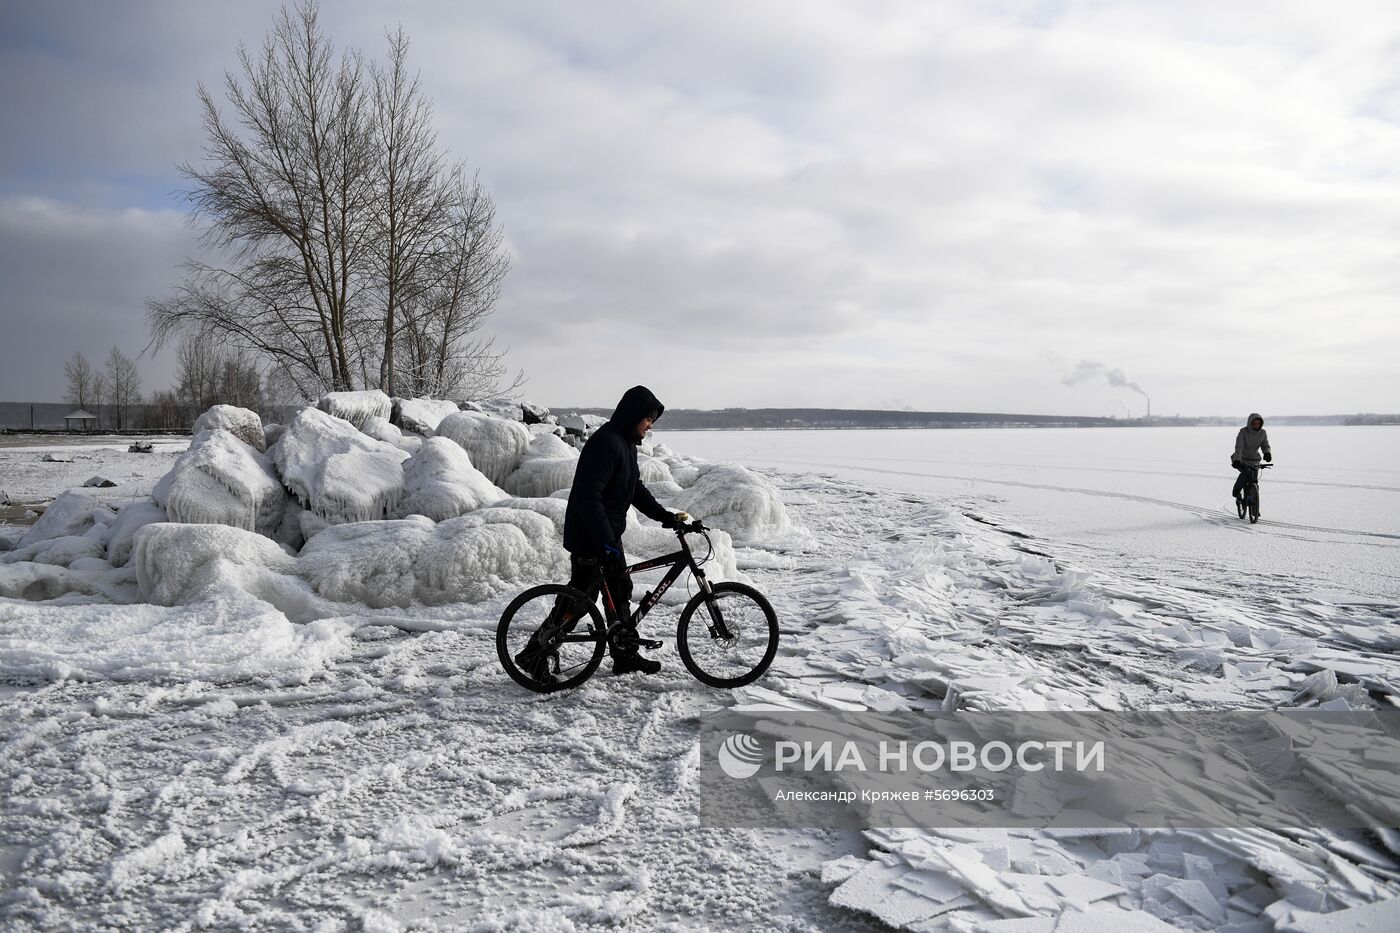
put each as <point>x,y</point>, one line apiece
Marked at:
<point>634,662</point>
<point>535,662</point>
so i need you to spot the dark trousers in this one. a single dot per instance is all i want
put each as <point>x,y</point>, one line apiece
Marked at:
<point>1249,473</point>
<point>586,573</point>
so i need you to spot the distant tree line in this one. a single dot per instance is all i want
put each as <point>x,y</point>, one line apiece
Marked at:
<point>206,374</point>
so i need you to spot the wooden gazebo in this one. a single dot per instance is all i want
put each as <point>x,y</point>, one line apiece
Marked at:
<point>80,421</point>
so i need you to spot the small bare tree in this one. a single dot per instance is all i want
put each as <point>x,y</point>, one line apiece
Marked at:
<point>84,383</point>
<point>198,363</point>
<point>165,410</point>
<point>240,383</point>
<point>121,385</point>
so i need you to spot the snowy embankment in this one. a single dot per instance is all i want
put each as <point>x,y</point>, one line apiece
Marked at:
<point>212,726</point>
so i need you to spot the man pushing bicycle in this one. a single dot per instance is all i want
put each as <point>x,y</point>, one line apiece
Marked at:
<point>607,481</point>
<point>1249,442</point>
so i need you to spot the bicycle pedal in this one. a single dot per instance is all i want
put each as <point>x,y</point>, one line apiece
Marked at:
<point>649,643</point>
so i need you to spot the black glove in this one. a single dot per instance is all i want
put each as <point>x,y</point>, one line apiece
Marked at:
<point>1268,456</point>
<point>1235,463</point>
<point>670,523</point>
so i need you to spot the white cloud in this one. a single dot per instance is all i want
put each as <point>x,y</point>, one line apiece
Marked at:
<point>838,203</point>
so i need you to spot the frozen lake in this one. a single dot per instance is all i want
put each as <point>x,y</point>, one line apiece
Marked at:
<point>1151,501</point>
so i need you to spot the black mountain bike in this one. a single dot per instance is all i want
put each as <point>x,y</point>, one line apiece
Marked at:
<point>727,635</point>
<point>1248,502</point>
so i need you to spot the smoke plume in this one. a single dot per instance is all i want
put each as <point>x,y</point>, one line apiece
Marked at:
<point>1092,369</point>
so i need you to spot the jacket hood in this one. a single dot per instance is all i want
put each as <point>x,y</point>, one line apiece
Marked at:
<point>637,402</point>
<point>1250,420</point>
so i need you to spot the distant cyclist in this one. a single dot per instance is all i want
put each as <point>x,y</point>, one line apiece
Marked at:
<point>606,481</point>
<point>1249,443</point>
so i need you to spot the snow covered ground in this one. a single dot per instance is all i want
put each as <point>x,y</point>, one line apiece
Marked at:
<point>375,769</point>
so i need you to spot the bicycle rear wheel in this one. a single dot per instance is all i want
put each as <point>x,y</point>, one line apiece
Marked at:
<point>1253,504</point>
<point>568,632</point>
<point>729,638</point>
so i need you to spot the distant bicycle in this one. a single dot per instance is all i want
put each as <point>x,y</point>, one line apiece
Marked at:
<point>727,634</point>
<point>1248,502</point>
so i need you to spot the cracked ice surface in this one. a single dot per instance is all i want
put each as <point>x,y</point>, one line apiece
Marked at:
<point>401,781</point>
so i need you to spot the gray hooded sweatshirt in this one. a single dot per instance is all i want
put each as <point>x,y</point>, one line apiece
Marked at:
<point>1249,442</point>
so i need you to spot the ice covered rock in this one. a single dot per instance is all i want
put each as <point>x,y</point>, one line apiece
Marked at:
<point>221,480</point>
<point>683,471</point>
<point>548,466</point>
<point>72,513</point>
<point>57,457</point>
<point>422,415</point>
<point>491,552</point>
<point>530,413</point>
<point>653,470</point>
<point>496,446</point>
<point>337,472</point>
<point>242,423</point>
<point>381,429</point>
<point>272,433</point>
<point>736,499</point>
<point>356,407</point>
<point>99,482</point>
<point>375,563</point>
<point>440,482</point>
<point>61,552</point>
<point>484,554</point>
<point>178,563</point>
<point>131,518</point>
<point>574,424</point>
<point>33,582</point>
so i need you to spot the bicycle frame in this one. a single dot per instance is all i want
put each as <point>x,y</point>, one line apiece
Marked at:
<point>679,562</point>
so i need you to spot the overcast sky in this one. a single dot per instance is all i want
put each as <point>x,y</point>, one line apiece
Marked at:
<point>969,206</point>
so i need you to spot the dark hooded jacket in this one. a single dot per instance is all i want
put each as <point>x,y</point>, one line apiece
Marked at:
<point>607,480</point>
<point>1249,442</point>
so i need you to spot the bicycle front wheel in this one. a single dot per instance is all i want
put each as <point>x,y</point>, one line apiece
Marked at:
<point>551,637</point>
<point>728,638</point>
<point>1253,504</point>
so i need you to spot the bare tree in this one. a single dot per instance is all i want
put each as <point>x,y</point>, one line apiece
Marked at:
<point>84,383</point>
<point>121,387</point>
<point>240,383</point>
<point>165,410</point>
<point>327,191</point>
<point>198,363</point>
